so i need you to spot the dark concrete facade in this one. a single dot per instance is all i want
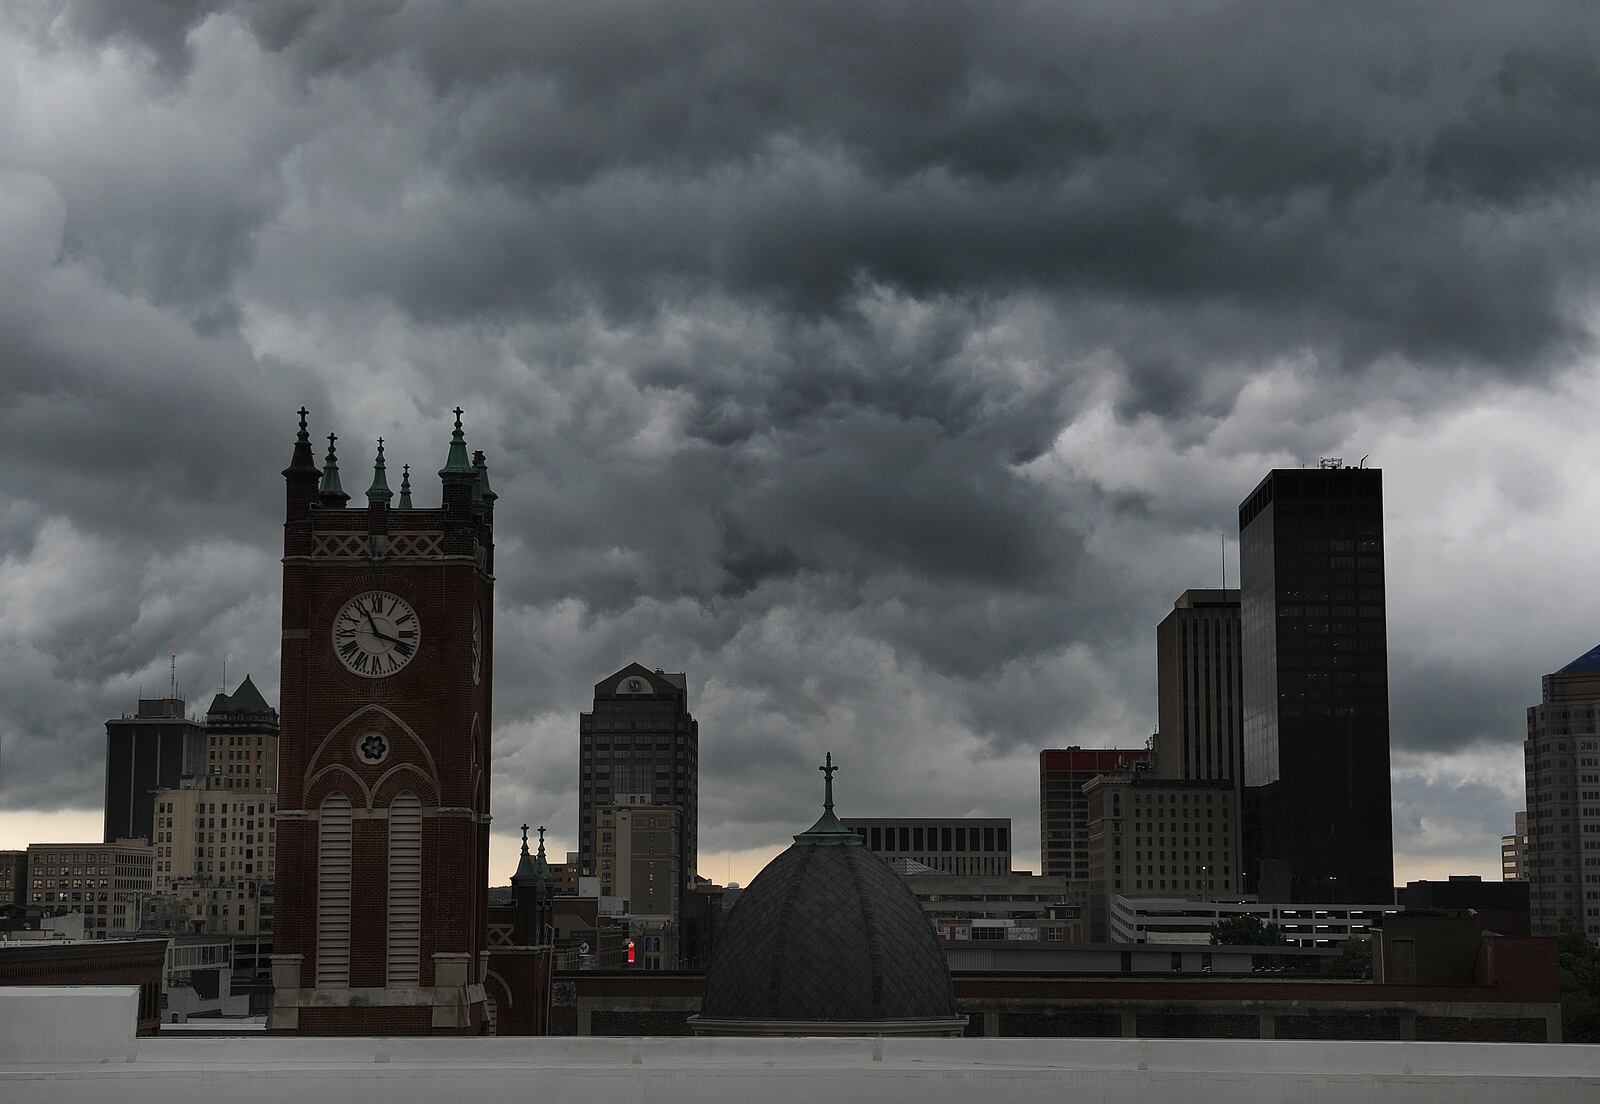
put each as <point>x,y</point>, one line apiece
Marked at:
<point>640,739</point>
<point>147,752</point>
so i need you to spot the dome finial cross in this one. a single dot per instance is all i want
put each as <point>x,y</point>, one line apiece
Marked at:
<point>828,770</point>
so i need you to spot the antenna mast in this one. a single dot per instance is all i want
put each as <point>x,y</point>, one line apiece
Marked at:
<point>172,679</point>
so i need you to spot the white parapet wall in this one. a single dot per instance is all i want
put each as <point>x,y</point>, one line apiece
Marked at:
<point>67,1024</point>
<point>772,1071</point>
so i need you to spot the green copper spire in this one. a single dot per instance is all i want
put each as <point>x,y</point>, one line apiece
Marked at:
<point>405,488</point>
<point>531,869</point>
<point>303,462</point>
<point>332,494</point>
<point>828,831</point>
<point>457,463</point>
<point>482,494</point>
<point>379,492</point>
<point>546,875</point>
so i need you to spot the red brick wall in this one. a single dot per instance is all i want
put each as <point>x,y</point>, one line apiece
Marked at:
<point>446,764</point>
<point>366,1021</point>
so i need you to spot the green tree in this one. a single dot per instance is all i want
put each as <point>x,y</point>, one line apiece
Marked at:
<point>1580,985</point>
<point>1246,931</point>
<point>1354,959</point>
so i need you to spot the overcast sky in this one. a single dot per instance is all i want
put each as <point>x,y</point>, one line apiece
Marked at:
<point>889,368</point>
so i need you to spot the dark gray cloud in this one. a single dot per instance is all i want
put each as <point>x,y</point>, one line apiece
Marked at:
<point>889,369</point>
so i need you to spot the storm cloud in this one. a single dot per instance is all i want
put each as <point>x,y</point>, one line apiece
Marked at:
<point>889,368</point>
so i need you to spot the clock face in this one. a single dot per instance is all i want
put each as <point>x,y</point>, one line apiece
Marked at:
<point>376,634</point>
<point>477,644</point>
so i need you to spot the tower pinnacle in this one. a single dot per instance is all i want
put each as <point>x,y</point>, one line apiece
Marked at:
<point>379,493</point>
<point>330,492</point>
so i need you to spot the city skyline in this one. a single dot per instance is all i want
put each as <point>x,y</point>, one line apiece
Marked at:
<point>894,403</point>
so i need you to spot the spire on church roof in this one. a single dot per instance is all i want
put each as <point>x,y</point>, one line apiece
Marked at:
<point>331,493</point>
<point>828,831</point>
<point>481,491</point>
<point>379,492</point>
<point>531,868</point>
<point>457,463</point>
<point>405,488</point>
<point>303,462</point>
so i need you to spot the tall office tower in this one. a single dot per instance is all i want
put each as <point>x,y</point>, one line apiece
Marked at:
<point>242,740</point>
<point>1198,687</point>
<point>640,740</point>
<point>955,845</point>
<point>1513,852</point>
<point>1316,687</point>
<point>1063,808</point>
<point>1561,771</point>
<point>381,924</point>
<point>144,753</point>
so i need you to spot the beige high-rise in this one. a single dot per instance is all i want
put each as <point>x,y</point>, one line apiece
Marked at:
<point>639,847</point>
<point>1159,837</point>
<point>1561,764</point>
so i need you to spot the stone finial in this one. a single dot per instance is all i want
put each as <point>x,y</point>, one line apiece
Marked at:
<point>379,493</point>
<point>457,463</point>
<point>331,493</point>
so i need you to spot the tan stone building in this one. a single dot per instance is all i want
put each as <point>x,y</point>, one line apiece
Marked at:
<point>107,882</point>
<point>1160,837</point>
<point>242,739</point>
<point>638,859</point>
<point>204,830</point>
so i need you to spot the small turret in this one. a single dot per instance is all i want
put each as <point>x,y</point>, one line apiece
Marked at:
<point>458,476</point>
<point>379,494</point>
<point>405,488</point>
<point>330,493</point>
<point>532,887</point>
<point>482,493</point>
<point>301,475</point>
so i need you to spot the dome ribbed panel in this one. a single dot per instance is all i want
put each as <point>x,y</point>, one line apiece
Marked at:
<point>827,933</point>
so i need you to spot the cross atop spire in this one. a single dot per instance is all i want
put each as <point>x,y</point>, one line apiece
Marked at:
<point>829,830</point>
<point>525,837</point>
<point>303,465</point>
<point>457,463</point>
<point>331,493</point>
<point>379,493</point>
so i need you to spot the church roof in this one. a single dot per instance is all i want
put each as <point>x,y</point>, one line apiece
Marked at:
<point>246,699</point>
<point>1588,661</point>
<point>827,931</point>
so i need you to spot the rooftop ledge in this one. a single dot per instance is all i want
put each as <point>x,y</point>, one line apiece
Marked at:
<point>77,1044</point>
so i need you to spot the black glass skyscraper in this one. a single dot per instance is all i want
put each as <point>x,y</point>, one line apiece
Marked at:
<point>1316,688</point>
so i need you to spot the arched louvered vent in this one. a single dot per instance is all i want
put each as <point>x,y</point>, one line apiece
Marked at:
<point>333,893</point>
<point>405,890</point>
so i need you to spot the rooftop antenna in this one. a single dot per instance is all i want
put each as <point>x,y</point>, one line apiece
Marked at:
<point>223,689</point>
<point>1224,537</point>
<point>172,679</point>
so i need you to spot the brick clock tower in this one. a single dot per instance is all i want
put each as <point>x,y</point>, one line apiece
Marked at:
<point>383,761</point>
